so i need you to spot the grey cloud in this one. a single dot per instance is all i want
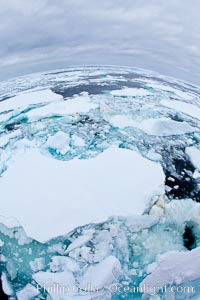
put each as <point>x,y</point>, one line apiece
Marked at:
<point>156,34</point>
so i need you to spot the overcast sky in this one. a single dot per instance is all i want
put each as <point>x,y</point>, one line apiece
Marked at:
<point>161,35</point>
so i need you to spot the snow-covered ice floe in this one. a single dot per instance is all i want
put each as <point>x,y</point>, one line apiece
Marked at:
<point>157,127</point>
<point>81,104</point>
<point>131,92</point>
<point>99,185</point>
<point>30,98</point>
<point>186,108</point>
<point>76,192</point>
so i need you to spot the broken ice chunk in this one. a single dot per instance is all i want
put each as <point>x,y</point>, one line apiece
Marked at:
<point>137,223</point>
<point>80,241</point>
<point>194,155</point>
<point>59,142</point>
<point>102,274</point>
<point>153,155</point>
<point>6,285</point>
<point>28,292</point>
<point>37,264</point>
<point>78,141</point>
<point>11,269</point>
<point>175,268</point>
<point>63,263</point>
<point>58,285</point>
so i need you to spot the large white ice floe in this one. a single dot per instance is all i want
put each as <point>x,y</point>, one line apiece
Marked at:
<point>79,104</point>
<point>184,107</point>
<point>24,100</point>
<point>172,91</point>
<point>157,127</point>
<point>76,192</point>
<point>131,92</point>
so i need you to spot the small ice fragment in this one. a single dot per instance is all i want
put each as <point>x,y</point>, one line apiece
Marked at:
<point>78,141</point>
<point>6,285</point>
<point>28,292</point>
<point>194,155</point>
<point>56,284</point>
<point>63,263</point>
<point>37,264</point>
<point>80,241</point>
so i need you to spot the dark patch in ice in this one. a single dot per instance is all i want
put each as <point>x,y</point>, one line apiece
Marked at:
<point>187,88</point>
<point>125,75</point>
<point>131,84</point>
<point>189,238</point>
<point>176,118</point>
<point>56,73</point>
<point>86,120</point>
<point>3,296</point>
<point>15,125</point>
<point>181,183</point>
<point>5,98</point>
<point>179,176</point>
<point>10,127</point>
<point>61,72</point>
<point>92,89</point>
<point>99,130</point>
